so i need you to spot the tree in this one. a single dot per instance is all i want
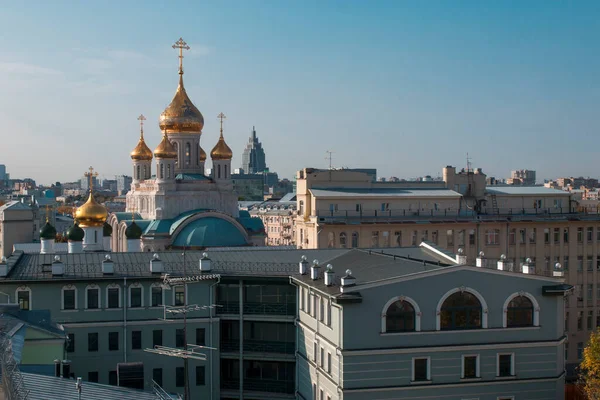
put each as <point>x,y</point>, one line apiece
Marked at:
<point>590,367</point>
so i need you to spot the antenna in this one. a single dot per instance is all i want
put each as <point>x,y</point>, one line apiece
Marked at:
<point>468,163</point>
<point>329,157</point>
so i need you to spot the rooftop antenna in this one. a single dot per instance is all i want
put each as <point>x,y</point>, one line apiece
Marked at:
<point>468,163</point>
<point>329,157</point>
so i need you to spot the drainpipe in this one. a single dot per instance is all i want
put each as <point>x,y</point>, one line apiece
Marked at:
<point>241,294</point>
<point>339,346</point>
<point>124,304</point>
<point>296,322</point>
<point>210,330</point>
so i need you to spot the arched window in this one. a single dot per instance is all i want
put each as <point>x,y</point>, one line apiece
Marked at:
<point>301,207</point>
<point>331,240</point>
<point>23,297</point>
<point>168,171</point>
<point>225,169</point>
<point>188,154</point>
<point>137,175</point>
<point>354,239</point>
<point>461,310</point>
<point>400,317</point>
<point>219,171</point>
<point>145,176</point>
<point>343,243</point>
<point>162,171</point>
<point>521,309</point>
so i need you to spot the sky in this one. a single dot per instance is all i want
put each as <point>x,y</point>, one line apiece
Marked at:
<point>406,87</point>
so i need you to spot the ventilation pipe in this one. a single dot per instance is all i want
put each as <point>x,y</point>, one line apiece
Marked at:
<point>58,268</point>
<point>329,275</point>
<point>528,267</point>
<point>205,263</point>
<point>303,265</point>
<point>108,266</point>
<point>156,264</point>
<point>481,261</point>
<point>314,270</point>
<point>558,271</point>
<point>348,280</point>
<point>461,258</point>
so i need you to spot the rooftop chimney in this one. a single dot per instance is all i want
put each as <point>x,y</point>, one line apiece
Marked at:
<point>57,368</point>
<point>329,275</point>
<point>558,271</point>
<point>3,267</point>
<point>58,268</point>
<point>303,265</point>
<point>66,369</point>
<point>461,259</point>
<point>314,270</point>
<point>205,263</point>
<point>108,266</point>
<point>348,280</point>
<point>156,264</point>
<point>481,261</point>
<point>504,264</point>
<point>528,267</point>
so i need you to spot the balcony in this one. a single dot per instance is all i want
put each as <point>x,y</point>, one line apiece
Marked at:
<point>259,346</point>
<point>260,385</point>
<point>252,308</point>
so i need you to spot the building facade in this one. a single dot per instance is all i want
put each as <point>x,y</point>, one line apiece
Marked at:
<point>253,157</point>
<point>17,225</point>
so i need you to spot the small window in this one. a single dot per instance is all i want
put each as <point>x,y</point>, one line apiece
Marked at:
<point>93,298</point>
<point>179,296</point>
<point>157,296</point>
<point>328,362</point>
<point>70,345</point>
<point>200,336</point>
<point>136,340</point>
<point>506,365</point>
<point>322,359</point>
<point>470,366</point>
<point>343,243</point>
<point>157,376</point>
<point>113,341</point>
<point>93,341</point>
<point>112,297</point>
<point>421,369</point>
<point>400,317</point>
<point>24,299</point>
<point>135,300</point>
<point>93,376</point>
<point>157,337</point>
<point>179,377</point>
<point>519,312</point>
<point>200,375</point>
<point>179,338</point>
<point>580,351</point>
<point>315,351</point>
<point>69,299</point>
<point>354,239</point>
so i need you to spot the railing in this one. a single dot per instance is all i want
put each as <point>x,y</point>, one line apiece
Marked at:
<point>260,346</point>
<point>260,385</point>
<point>516,267</point>
<point>161,394</point>
<point>229,346</point>
<point>253,308</point>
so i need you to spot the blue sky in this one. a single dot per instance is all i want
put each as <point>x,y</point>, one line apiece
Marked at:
<point>404,87</point>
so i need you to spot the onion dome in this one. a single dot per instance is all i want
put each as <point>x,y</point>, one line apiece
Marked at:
<point>75,233</point>
<point>181,116</point>
<point>221,151</point>
<point>202,154</point>
<point>141,151</point>
<point>133,231</point>
<point>165,148</point>
<point>48,231</point>
<point>91,213</point>
<point>106,230</point>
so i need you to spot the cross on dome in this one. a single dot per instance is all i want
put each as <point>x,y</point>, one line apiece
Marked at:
<point>181,45</point>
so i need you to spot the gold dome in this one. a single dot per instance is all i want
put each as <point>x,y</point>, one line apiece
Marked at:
<point>202,154</point>
<point>165,148</point>
<point>141,151</point>
<point>181,116</point>
<point>221,151</point>
<point>91,213</point>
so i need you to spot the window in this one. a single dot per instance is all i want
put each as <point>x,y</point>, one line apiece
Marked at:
<point>24,298</point>
<point>472,237</point>
<point>579,263</point>
<point>112,378</point>
<point>556,236</point>
<point>579,320</point>
<point>532,235</point>
<point>92,295</point>
<point>450,238</point>
<point>398,238</point>
<point>156,337</point>
<point>420,370</point>
<point>400,317</point>
<point>179,338</point>
<point>580,350</point>
<point>492,237</point>
<point>546,235</point>
<point>579,235</point>
<point>200,375</point>
<point>321,309</point>
<point>590,234</point>
<point>512,236</point>
<point>70,346</point>
<point>93,341</point>
<point>179,377</point>
<point>179,294</point>
<point>328,313</point>
<point>566,235</point>
<point>136,340</point>
<point>590,293</point>
<point>566,263</point>
<point>322,358</point>
<point>567,321</point>
<point>328,362</point>
<point>343,243</point>
<point>424,235</point>
<point>333,207</point>
<point>461,310</point>
<point>522,236</point>
<point>200,336</point>
<point>519,312</point>
<point>590,320</point>
<point>157,376</point>
<point>590,263</point>
<point>461,237</point>
<point>358,208</point>
<point>93,376</point>
<point>413,238</point>
<point>375,239</point>
<point>69,298</point>
<point>113,341</point>
<point>470,366</point>
<point>135,297</point>
<point>113,295</point>
<point>156,296</point>
<point>434,237</point>
<point>315,350</point>
<point>506,366</point>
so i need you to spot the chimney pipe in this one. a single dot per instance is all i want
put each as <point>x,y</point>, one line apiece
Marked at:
<point>329,275</point>
<point>558,271</point>
<point>528,266</point>
<point>66,369</point>
<point>303,265</point>
<point>156,265</point>
<point>348,280</point>
<point>205,263</point>
<point>461,259</point>
<point>57,368</point>
<point>314,270</point>
<point>481,261</point>
<point>3,267</point>
<point>108,266</point>
<point>58,268</point>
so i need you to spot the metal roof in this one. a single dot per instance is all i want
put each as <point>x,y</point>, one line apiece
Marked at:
<point>33,248</point>
<point>42,387</point>
<point>384,192</point>
<point>525,190</point>
<point>15,205</point>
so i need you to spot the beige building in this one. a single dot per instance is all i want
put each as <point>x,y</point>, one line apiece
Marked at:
<point>280,226</point>
<point>340,209</point>
<point>16,226</point>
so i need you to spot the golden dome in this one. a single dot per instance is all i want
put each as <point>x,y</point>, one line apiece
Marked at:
<point>91,213</point>
<point>165,148</point>
<point>202,154</point>
<point>221,151</point>
<point>181,115</point>
<point>141,151</point>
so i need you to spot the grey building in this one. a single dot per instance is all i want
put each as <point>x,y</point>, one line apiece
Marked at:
<point>253,157</point>
<point>123,184</point>
<point>405,322</point>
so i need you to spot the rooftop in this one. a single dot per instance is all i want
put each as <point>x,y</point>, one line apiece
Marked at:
<point>525,191</point>
<point>383,192</point>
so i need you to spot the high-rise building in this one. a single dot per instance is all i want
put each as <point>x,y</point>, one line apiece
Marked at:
<point>253,158</point>
<point>524,177</point>
<point>123,184</point>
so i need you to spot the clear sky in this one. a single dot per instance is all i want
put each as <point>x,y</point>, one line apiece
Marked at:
<point>404,87</point>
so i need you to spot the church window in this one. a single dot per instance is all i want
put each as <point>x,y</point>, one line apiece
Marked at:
<point>218,171</point>
<point>137,175</point>
<point>145,173</point>
<point>162,171</point>
<point>188,155</point>
<point>225,170</point>
<point>168,171</point>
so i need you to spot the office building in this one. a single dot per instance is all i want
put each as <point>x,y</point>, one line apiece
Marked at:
<point>253,157</point>
<point>123,184</point>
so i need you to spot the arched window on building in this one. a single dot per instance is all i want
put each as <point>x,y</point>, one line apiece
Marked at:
<point>137,174</point>
<point>354,239</point>
<point>145,175</point>
<point>225,171</point>
<point>400,316</point>
<point>461,310</point>
<point>188,154</point>
<point>219,171</point>
<point>520,310</point>
<point>343,239</point>
<point>331,240</point>
<point>168,171</point>
<point>162,171</point>
<point>300,207</point>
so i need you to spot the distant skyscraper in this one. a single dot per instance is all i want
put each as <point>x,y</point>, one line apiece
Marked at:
<point>253,158</point>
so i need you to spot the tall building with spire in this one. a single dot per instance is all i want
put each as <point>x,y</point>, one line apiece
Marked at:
<point>253,157</point>
<point>172,201</point>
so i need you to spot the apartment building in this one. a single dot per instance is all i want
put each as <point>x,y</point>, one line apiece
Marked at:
<point>340,209</point>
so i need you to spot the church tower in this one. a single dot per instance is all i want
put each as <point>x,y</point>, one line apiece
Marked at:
<point>165,155</point>
<point>221,156</point>
<point>141,157</point>
<point>182,122</point>
<point>91,217</point>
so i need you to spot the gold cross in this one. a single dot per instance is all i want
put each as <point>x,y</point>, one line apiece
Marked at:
<point>221,117</point>
<point>91,176</point>
<point>141,118</point>
<point>47,213</point>
<point>181,45</point>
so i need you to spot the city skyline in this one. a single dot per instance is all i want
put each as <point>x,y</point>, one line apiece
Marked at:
<point>400,88</point>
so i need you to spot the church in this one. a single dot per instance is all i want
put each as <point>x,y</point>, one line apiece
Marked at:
<point>179,206</point>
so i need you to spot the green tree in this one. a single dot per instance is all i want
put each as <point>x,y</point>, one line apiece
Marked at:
<point>590,367</point>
